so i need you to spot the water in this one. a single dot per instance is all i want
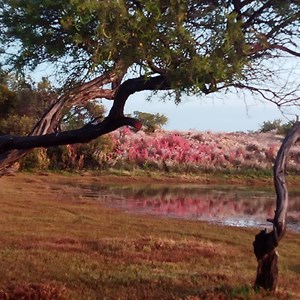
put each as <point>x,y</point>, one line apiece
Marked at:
<point>224,205</point>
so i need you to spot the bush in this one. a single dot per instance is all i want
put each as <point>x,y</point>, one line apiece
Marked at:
<point>151,122</point>
<point>36,159</point>
<point>280,127</point>
<point>16,125</point>
<point>93,155</point>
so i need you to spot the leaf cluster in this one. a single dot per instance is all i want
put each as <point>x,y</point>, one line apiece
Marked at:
<point>282,128</point>
<point>151,122</point>
<point>24,97</point>
<point>80,115</point>
<point>199,46</point>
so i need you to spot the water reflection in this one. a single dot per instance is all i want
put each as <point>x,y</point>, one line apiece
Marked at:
<point>235,206</point>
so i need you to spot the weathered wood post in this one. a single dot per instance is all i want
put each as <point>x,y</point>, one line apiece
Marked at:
<point>266,242</point>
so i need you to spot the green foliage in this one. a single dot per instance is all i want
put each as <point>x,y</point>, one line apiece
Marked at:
<point>22,97</point>
<point>151,122</point>
<point>7,100</point>
<point>278,125</point>
<point>36,159</point>
<point>16,125</point>
<point>79,115</point>
<point>22,103</point>
<point>80,156</point>
<point>200,46</point>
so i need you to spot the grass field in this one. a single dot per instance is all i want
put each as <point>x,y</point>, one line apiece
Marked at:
<point>57,244</point>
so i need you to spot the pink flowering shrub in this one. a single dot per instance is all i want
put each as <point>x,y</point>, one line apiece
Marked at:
<point>161,150</point>
<point>191,151</point>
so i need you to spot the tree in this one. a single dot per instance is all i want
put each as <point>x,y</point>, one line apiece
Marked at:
<point>182,46</point>
<point>22,97</point>
<point>23,103</point>
<point>151,122</point>
<point>8,98</point>
<point>278,125</point>
<point>113,49</point>
<point>266,242</point>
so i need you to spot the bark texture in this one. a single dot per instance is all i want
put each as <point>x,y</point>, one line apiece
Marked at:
<point>46,125</point>
<point>266,242</point>
<point>12,148</point>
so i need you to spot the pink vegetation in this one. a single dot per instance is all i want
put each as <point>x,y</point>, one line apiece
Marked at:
<point>190,151</point>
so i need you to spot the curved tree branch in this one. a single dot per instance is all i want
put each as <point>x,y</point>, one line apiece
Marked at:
<point>285,49</point>
<point>82,135</point>
<point>279,98</point>
<point>279,180</point>
<point>265,243</point>
<point>88,91</point>
<point>12,148</point>
<point>85,92</point>
<point>134,85</point>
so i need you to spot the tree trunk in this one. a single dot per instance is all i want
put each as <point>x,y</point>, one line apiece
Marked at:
<point>87,91</point>
<point>266,242</point>
<point>12,148</point>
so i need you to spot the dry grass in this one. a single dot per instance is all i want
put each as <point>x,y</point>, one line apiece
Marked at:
<point>57,244</point>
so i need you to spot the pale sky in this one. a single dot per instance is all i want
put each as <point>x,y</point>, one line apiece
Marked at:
<point>218,112</point>
<point>221,113</point>
<point>225,112</point>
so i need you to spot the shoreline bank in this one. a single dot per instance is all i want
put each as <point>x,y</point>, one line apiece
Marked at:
<point>124,177</point>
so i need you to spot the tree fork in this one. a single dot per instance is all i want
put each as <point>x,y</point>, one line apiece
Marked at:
<point>12,148</point>
<point>266,242</point>
<point>79,94</point>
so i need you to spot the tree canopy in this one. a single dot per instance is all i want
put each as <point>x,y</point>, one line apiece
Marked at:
<point>151,122</point>
<point>112,49</point>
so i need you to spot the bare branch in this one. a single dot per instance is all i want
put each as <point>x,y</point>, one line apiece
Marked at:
<point>80,94</point>
<point>279,180</point>
<point>285,49</point>
<point>115,119</point>
<point>255,14</point>
<point>82,135</point>
<point>280,98</point>
<point>265,243</point>
<point>132,86</point>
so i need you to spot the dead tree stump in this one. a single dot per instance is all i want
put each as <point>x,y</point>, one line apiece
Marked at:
<point>266,242</point>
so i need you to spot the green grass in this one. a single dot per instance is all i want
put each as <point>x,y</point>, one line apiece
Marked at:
<point>57,244</point>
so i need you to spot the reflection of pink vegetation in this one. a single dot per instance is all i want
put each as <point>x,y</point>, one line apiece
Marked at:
<point>219,150</point>
<point>206,206</point>
<point>228,206</point>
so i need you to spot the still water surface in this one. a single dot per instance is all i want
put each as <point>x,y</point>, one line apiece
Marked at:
<point>224,205</point>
